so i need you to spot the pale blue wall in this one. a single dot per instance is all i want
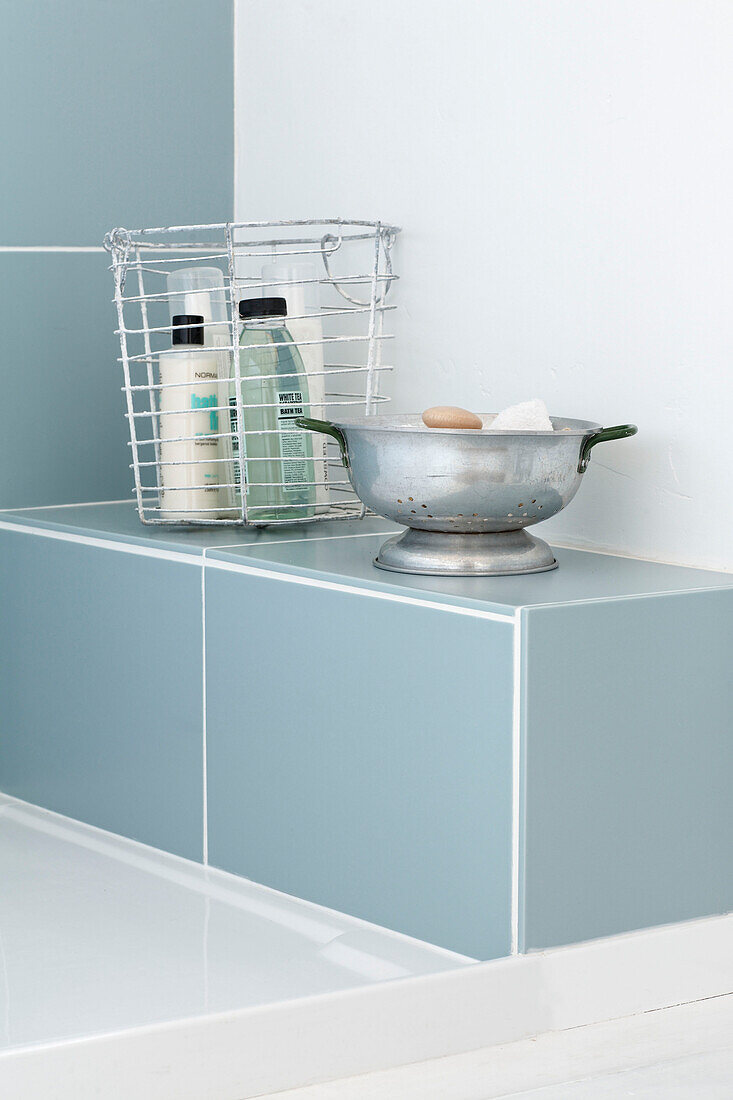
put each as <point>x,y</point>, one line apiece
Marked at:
<point>114,113</point>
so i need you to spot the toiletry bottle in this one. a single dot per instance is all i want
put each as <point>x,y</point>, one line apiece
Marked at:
<point>190,464</point>
<point>298,284</point>
<point>277,468</point>
<point>200,290</point>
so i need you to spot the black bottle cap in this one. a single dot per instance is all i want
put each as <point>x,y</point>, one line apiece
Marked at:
<point>187,329</point>
<point>262,307</point>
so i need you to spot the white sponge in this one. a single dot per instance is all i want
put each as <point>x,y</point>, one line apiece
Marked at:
<point>528,416</point>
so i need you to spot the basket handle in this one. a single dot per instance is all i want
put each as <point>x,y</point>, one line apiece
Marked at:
<point>621,431</point>
<point>326,428</point>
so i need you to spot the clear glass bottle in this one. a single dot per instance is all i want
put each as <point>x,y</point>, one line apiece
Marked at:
<point>279,473</point>
<point>300,288</point>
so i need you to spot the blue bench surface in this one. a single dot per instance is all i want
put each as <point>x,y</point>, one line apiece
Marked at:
<point>342,551</point>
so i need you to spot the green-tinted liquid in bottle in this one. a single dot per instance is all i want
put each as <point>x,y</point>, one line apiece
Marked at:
<point>279,472</point>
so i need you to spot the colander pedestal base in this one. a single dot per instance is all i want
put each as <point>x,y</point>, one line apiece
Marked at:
<point>488,554</point>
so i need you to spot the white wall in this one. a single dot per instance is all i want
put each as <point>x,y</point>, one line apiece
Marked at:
<point>563,171</point>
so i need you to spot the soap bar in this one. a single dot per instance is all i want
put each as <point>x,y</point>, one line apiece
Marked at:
<point>450,416</point>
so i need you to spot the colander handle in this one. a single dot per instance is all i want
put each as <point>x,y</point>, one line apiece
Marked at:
<point>621,431</point>
<point>326,428</point>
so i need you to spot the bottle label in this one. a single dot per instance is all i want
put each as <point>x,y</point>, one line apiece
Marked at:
<point>235,440</point>
<point>293,444</point>
<point>208,402</point>
<point>206,440</point>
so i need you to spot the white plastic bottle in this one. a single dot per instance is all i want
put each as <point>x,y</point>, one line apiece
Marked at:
<point>190,466</point>
<point>200,290</point>
<point>298,284</point>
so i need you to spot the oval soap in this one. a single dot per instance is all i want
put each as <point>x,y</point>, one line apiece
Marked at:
<point>450,416</point>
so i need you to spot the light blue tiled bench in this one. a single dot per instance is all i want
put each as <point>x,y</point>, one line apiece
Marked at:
<point>489,765</point>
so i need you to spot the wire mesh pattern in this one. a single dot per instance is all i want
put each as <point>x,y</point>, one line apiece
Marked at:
<point>213,388</point>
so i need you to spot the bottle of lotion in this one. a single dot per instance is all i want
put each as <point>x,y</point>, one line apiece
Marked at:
<point>200,290</point>
<point>190,466</point>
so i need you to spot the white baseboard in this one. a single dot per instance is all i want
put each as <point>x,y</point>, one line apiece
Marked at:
<point>253,1052</point>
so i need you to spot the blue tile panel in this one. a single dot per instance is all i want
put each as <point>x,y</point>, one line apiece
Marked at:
<point>100,680</point>
<point>581,576</point>
<point>359,756</point>
<point>119,521</point>
<point>116,114</point>
<point>629,765</point>
<point>62,418</point>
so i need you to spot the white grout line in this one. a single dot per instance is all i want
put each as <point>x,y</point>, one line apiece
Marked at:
<point>80,504</point>
<point>103,544</point>
<point>204,747</point>
<point>315,538</point>
<point>52,248</point>
<point>632,596</point>
<point>516,775</point>
<point>351,589</point>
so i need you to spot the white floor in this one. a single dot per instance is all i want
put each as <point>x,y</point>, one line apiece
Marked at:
<point>125,972</point>
<point>99,934</point>
<point>681,1053</point>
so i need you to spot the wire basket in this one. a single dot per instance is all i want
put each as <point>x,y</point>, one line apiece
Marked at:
<point>212,419</point>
